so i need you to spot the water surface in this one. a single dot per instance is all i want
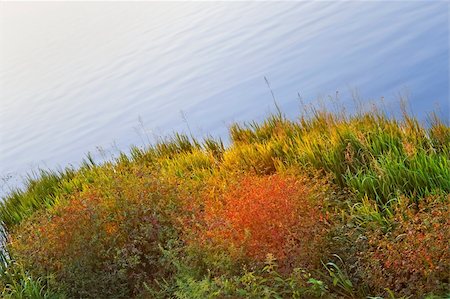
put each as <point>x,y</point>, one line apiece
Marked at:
<point>75,77</point>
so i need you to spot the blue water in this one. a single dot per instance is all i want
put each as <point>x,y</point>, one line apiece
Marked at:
<point>75,77</point>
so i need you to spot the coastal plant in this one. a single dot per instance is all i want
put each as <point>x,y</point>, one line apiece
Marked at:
<point>264,282</point>
<point>339,277</point>
<point>270,214</point>
<point>103,242</point>
<point>42,191</point>
<point>413,259</point>
<point>329,205</point>
<point>16,282</point>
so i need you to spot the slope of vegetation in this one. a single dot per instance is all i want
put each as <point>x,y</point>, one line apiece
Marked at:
<point>327,206</point>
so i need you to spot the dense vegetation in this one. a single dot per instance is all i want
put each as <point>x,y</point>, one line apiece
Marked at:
<point>329,205</point>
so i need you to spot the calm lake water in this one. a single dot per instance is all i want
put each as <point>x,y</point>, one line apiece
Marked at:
<point>75,77</point>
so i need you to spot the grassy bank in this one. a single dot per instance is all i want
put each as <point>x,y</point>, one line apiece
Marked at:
<point>326,206</point>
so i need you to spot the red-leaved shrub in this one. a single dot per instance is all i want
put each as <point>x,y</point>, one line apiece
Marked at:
<point>271,214</point>
<point>414,258</point>
<point>101,243</point>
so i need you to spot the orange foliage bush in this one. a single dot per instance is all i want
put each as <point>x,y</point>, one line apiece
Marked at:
<point>413,259</point>
<point>271,214</point>
<point>100,243</point>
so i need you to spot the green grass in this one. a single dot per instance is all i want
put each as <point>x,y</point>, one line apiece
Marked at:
<point>42,190</point>
<point>18,283</point>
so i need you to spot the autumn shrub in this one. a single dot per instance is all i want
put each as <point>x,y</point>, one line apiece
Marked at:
<point>271,214</point>
<point>414,257</point>
<point>101,243</point>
